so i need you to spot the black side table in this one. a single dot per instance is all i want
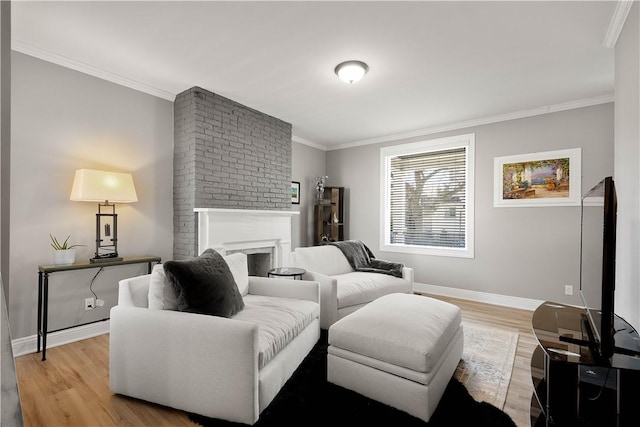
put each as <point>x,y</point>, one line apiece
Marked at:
<point>287,272</point>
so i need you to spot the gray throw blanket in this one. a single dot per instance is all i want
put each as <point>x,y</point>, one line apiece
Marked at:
<point>362,259</point>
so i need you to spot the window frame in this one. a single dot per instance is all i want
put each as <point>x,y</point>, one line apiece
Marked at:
<point>466,141</point>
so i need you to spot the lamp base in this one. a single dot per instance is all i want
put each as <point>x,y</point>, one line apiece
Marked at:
<point>106,259</point>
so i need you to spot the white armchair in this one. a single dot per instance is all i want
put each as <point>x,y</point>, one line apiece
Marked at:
<point>227,368</point>
<point>343,290</point>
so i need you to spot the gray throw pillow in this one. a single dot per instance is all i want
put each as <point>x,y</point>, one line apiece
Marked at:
<point>204,285</point>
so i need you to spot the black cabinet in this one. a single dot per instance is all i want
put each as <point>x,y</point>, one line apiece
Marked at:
<point>574,387</point>
<point>328,216</point>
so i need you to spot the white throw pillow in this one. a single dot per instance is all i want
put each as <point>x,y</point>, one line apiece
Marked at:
<point>237,263</point>
<point>161,293</point>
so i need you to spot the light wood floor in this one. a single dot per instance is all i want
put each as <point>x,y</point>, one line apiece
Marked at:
<point>71,388</point>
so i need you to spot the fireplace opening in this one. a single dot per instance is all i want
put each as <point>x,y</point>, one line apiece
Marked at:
<point>259,264</point>
<point>259,260</point>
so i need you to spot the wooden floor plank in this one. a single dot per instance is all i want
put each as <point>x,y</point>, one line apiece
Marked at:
<point>71,388</point>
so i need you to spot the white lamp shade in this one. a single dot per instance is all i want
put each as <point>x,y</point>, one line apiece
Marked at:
<point>91,185</point>
<point>351,71</point>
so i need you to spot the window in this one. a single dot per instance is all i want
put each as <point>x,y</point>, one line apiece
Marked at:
<point>427,197</point>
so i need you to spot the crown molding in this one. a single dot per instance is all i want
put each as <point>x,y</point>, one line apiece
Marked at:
<point>622,10</point>
<point>587,102</point>
<point>312,144</point>
<point>617,22</point>
<point>46,55</point>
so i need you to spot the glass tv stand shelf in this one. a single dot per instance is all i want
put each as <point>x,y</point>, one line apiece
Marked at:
<point>572,385</point>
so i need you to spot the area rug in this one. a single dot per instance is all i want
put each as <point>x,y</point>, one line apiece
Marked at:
<point>487,362</point>
<point>308,399</point>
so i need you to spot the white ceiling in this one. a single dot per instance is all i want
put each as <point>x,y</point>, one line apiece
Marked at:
<point>432,64</point>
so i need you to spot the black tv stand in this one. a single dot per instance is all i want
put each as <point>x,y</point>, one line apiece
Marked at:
<point>598,358</point>
<point>573,385</point>
<point>627,352</point>
<point>572,340</point>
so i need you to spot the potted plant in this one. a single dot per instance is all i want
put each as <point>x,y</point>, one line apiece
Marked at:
<point>63,253</point>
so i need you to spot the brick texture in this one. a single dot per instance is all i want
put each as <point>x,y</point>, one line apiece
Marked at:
<point>226,155</point>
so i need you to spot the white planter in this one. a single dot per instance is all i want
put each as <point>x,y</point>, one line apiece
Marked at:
<point>63,257</point>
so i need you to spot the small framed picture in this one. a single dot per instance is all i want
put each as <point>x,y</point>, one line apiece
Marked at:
<point>295,192</point>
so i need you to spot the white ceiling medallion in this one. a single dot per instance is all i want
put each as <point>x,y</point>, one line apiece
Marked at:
<point>351,71</point>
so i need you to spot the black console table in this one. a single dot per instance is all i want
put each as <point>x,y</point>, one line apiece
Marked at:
<point>43,289</point>
<point>572,385</point>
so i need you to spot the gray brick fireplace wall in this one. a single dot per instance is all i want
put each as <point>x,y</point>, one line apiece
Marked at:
<point>226,155</point>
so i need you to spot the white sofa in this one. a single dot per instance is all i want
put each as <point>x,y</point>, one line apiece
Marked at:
<point>227,368</point>
<point>343,290</point>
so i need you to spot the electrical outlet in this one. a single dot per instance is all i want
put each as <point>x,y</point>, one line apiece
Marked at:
<point>89,304</point>
<point>99,302</point>
<point>568,290</point>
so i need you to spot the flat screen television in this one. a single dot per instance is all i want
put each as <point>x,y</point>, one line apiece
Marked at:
<point>597,264</point>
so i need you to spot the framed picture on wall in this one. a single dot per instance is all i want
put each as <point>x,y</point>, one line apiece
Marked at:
<point>295,192</point>
<point>550,178</point>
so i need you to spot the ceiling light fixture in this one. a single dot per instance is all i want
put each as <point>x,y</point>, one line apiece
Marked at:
<point>351,71</point>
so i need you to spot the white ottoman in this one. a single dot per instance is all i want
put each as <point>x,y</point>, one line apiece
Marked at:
<point>400,349</point>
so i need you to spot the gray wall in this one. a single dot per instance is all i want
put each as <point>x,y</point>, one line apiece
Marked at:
<point>63,120</point>
<point>521,252</point>
<point>307,163</point>
<point>10,410</point>
<point>226,155</point>
<point>5,138</point>
<point>627,168</point>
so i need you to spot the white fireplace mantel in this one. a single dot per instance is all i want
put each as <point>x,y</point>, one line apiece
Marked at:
<point>231,230</point>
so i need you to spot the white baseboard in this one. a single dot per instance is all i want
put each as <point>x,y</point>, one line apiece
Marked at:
<point>27,345</point>
<point>497,299</point>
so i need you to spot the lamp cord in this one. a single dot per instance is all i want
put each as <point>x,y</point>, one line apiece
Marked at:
<point>92,280</point>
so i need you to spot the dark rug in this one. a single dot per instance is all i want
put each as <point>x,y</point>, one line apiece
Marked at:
<point>307,398</point>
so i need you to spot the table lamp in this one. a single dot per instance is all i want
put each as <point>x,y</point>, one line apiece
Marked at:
<point>107,189</point>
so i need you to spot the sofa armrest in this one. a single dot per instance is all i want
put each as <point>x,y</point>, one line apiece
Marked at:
<point>407,274</point>
<point>328,297</point>
<point>134,291</point>
<point>284,288</point>
<point>199,363</point>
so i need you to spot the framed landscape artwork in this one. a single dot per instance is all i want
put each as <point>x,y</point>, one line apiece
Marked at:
<point>550,178</point>
<point>295,192</point>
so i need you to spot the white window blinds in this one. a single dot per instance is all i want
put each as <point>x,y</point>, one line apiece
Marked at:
<point>428,200</point>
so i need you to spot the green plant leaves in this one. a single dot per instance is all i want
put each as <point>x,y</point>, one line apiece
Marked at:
<point>55,243</point>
